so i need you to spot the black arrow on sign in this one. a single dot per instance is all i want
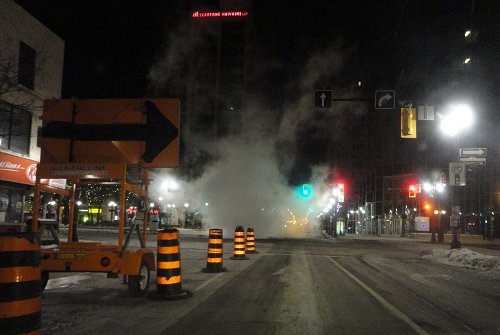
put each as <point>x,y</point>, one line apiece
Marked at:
<point>158,131</point>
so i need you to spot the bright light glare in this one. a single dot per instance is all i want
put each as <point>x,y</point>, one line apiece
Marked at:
<point>467,33</point>
<point>458,118</point>
<point>467,60</point>
<point>170,185</point>
<point>427,187</point>
<point>439,187</point>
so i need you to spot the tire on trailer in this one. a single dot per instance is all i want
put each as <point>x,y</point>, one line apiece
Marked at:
<point>44,279</point>
<point>138,285</point>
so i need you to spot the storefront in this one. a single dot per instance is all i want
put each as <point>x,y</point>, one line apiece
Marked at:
<point>17,180</point>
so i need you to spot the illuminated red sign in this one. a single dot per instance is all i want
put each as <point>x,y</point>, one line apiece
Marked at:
<point>202,15</point>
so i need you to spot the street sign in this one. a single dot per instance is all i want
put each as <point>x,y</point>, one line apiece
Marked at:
<point>456,174</point>
<point>385,99</point>
<point>473,152</point>
<point>131,131</point>
<point>323,99</point>
<point>425,112</point>
<point>473,161</point>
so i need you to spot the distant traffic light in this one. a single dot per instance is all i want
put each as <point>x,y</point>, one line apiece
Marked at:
<point>412,191</point>
<point>306,191</point>
<point>427,206</point>
<point>341,189</point>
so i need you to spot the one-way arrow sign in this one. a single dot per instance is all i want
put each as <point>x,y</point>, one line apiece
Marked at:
<point>111,131</point>
<point>473,152</point>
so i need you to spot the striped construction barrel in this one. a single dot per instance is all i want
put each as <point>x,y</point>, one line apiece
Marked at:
<point>168,263</point>
<point>250,241</point>
<point>215,257</point>
<point>20,300</point>
<point>239,243</point>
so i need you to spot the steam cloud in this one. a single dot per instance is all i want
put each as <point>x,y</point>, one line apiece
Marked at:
<point>247,184</point>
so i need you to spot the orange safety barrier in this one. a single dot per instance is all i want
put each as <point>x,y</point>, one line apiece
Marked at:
<point>239,243</point>
<point>20,280</point>
<point>215,254</point>
<point>251,241</point>
<point>168,264</point>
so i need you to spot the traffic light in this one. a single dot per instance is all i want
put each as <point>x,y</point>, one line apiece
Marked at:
<point>341,189</point>
<point>408,123</point>
<point>427,207</point>
<point>306,190</point>
<point>412,191</point>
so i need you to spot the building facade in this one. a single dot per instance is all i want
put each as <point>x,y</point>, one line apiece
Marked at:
<point>31,69</point>
<point>444,54</point>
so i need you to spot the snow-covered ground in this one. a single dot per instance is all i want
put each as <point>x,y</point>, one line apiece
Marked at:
<point>465,258</point>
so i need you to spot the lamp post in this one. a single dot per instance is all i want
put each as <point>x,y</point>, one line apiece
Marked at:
<point>112,205</point>
<point>458,118</point>
<point>186,205</point>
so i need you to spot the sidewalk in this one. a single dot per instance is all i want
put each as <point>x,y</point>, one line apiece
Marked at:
<point>465,239</point>
<point>114,230</point>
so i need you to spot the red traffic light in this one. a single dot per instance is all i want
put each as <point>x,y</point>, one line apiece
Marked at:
<point>412,191</point>
<point>341,188</point>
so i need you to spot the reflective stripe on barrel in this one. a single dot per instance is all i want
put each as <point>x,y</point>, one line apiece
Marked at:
<point>168,275</point>
<point>215,257</point>
<point>20,301</point>
<point>250,240</point>
<point>239,242</point>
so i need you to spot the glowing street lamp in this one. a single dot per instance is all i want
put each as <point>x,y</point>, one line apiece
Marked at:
<point>458,118</point>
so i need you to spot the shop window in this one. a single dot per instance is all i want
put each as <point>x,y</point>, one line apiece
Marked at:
<point>26,73</point>
<point>11,202</point>
<point>15,129</point>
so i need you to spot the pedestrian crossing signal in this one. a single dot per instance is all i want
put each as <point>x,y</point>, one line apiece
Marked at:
<point>412,191</point>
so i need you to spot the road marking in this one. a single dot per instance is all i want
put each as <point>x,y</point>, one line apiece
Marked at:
<point>390,307</point>
<point>208,282</point>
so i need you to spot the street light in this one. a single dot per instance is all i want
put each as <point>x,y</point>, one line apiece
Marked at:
<point>459,117</point>
<point>113,205</point>
<point>186,205</point>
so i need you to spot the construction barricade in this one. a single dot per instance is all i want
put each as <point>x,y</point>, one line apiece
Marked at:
<point>20,281</point>
<point>251,241</point>
<point>215,253</point>
<point>239,244</point>
<point>168,264</point>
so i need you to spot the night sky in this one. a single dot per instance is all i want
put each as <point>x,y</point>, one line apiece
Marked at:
<point>110,45</point>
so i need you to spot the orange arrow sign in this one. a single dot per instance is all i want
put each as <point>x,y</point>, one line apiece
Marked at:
<point>131,131</point>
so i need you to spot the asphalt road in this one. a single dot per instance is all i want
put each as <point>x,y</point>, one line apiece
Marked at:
<point>292,286</point>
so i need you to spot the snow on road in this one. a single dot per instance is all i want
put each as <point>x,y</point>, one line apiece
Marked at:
<point>465,258</point>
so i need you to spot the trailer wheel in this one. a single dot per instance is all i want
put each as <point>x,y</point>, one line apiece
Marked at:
<point>138,285</point>
<point>44,279</point>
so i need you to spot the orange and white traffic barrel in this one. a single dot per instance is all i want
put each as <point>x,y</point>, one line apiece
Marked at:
<point>215,253</point>
<point>20,282</point>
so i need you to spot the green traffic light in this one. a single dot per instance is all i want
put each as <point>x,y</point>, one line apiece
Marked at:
<point>306,191</point>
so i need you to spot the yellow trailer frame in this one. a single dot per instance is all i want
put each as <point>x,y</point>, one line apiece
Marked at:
<point>75,256</point>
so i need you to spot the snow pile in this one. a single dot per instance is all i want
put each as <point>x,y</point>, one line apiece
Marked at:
<point>465,258</point>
